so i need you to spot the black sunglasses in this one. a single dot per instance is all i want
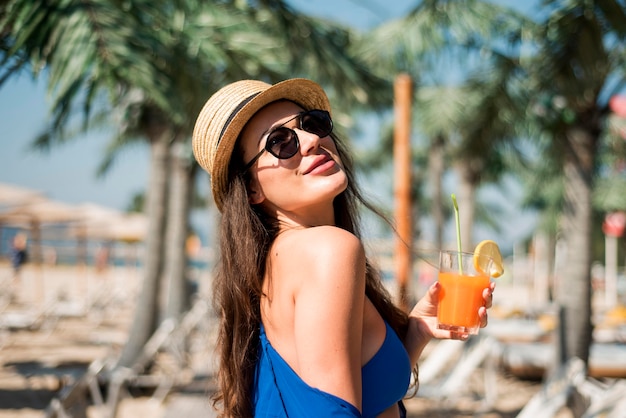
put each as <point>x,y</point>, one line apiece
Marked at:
<point>283,142</point>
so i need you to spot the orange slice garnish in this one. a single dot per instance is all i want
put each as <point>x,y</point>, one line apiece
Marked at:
<point>485,252</point>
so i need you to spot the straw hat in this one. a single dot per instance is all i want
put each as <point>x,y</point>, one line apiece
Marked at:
<point>226,113</point>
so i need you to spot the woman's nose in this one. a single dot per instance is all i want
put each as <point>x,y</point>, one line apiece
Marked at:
<point>309,142</point>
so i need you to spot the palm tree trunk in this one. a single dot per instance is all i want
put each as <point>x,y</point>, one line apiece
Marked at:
<point>436,168</point>
<point>145,319</point>
<point>466,201</point>
<point>575,293</point>
<point>176,287</point>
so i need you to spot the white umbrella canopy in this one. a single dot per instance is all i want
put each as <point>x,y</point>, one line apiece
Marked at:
<point>11,195</point>
<point>94,220</point>
<point>132,227</point>
<point>91,212</point>
<point>26,208</point>
<point>42,211</point>
<point>51,222</point>
<point>37,216</point>
<point>98,222</point>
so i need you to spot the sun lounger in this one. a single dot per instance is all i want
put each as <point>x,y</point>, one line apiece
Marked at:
<point>439,381</point>
<point>168,337</point>
<point>555,391</point>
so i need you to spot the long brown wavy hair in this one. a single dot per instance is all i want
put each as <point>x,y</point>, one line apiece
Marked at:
<point>246,234</point>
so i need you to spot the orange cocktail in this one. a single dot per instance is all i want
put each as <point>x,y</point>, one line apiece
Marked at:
<point>460,295</point>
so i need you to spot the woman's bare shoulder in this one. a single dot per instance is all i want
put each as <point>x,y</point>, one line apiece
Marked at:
<point>319,241</point>
<point>319,256</point>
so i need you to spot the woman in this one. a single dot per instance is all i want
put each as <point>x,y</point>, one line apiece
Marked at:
<point>306,326</point>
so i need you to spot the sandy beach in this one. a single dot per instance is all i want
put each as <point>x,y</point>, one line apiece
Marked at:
<point>63,319</point>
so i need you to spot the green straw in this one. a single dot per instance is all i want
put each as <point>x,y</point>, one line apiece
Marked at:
<point>458,232</point>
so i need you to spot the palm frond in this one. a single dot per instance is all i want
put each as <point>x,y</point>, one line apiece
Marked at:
<point>437,31</point>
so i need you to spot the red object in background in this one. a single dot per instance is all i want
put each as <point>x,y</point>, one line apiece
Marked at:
<point>614,224</point>
<point>617,104</point>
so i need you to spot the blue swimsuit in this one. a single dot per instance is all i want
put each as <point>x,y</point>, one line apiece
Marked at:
<point>280,392</point>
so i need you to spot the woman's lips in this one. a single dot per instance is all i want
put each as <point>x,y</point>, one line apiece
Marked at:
<point>320,165</point>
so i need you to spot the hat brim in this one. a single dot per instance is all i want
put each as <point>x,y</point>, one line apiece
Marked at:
<point>306,93</point>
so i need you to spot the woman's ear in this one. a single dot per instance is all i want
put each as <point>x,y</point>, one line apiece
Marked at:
<point>255,194</point>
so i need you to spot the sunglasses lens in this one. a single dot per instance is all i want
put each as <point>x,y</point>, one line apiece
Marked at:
<point>282,143</point>
<point>317,122</point>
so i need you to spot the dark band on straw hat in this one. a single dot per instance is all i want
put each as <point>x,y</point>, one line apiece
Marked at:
<point>232,116</point>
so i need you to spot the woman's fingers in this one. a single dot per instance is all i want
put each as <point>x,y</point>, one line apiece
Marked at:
<point>482,315</point>
<point>488,295</point>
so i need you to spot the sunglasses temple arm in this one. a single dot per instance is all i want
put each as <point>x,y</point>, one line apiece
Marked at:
<point>252,161</point>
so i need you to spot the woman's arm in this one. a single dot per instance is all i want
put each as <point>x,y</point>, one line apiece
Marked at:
<point>328,318</point>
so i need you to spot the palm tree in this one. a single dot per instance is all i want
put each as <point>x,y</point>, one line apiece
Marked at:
<point>465,111</point>
<point>576,58</point>
<point>608,194</point>
<point>574,62</point>
<point>92,51</point>
<point>486,128</point>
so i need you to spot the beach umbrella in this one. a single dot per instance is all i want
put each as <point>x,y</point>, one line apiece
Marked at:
<point>41,210</point>
<point>11,195</point>
<point>33,215</point>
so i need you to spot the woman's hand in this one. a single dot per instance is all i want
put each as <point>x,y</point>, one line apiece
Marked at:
<point>423,320</point>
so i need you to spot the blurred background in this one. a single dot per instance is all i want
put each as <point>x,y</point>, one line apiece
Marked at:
<point>107,224</point>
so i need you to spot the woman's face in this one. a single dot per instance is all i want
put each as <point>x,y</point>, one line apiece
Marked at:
<point>301,187</point>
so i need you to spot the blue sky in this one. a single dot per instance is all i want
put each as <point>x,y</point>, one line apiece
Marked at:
<point>67,172</point>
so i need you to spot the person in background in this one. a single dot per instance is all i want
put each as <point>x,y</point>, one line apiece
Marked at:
<point>19,253</point>
<point>101,259</point>
<point>19,256</point>
<point>307,328</point>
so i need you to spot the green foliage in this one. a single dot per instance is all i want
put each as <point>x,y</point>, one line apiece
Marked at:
<point>87,48</point>
<point>439,34</point>
<point>485,74</point>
